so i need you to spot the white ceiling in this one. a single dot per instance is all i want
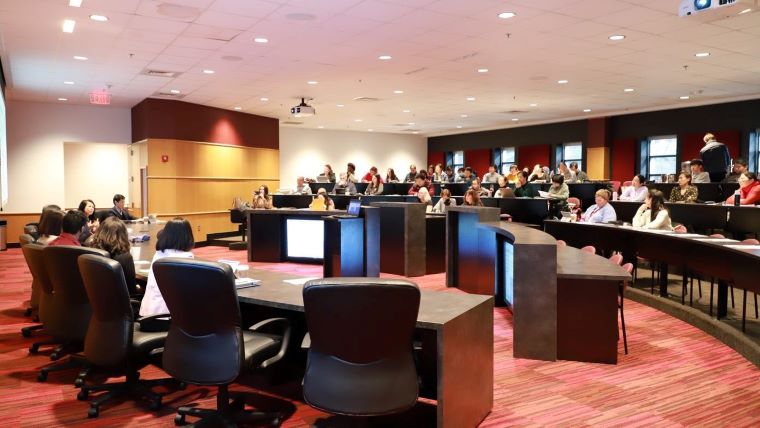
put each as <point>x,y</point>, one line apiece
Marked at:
<point>437,47</point>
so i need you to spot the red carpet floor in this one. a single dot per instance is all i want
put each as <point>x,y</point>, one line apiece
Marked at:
<point>675,375</point>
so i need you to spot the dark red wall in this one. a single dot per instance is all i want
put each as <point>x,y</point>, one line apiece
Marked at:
<point>527,156</point>
<point>478,159</point>
<point>692,143</point>
<point>623,159</point>
<point>170,119</point>
<point>436,158</point>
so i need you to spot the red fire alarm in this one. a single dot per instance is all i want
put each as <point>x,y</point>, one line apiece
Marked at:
<point>164,158</point>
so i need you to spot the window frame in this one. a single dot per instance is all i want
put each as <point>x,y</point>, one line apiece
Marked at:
<point>649,157</point>
<point>561,156</point>
<point>505,165</point>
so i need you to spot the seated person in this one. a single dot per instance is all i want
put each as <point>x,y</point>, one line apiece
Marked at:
<point>445,202</point>
<point>566,172</point>
<point>698,173</point>
<point>351,173</point>
<point>749,190</point>
<point>602,212</point>
<point>653,214</point>
<point>302,187</point>
<point>174,240</point>
<point>504,191</point>
<point>558,193</point>
<point>439,176</point>
<point>412,174</point>
<point>538,174</point>
<point>580,176</point>
<point>375,186</point>
<point>390,176</point>
<point>684,192</point>
<point>482,191</point>
<point>459,175</point>
<point>328,172</point>
<point>522,189</point>
<point>420,182</point>
<point>450,177</point>
<point>262,199</point>
<point>87,207</point>
<point>326,200</point>
<point>369,175</point>
<point>72,228</point>
<point>471,199</point>
<point>50,226</point>
<point>491,176</point>
<point>740,165</point>
<point>636,192</point>
<point>467,176</point>
<point>112,237</point>
<point>345,185</point>
<point>423,197</point>
<point>118,209</point>
<point>513,172</point>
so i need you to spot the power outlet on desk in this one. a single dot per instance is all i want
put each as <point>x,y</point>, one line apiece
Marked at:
<point>199,227</point>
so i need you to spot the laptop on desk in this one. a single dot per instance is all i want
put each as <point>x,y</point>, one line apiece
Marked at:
<point>323,179</point>
<point>354,207</point>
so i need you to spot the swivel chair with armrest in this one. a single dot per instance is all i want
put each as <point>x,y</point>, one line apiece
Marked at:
<point>34,299</point>
<point>360,360</point>
<point>33,254</point>
<point>207,344</point>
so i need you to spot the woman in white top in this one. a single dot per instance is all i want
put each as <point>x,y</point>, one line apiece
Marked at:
<point>653,214</point>
<point>445,202</point>
<point>175,240</point>
<point>637,192</point>
<point>423,196</point>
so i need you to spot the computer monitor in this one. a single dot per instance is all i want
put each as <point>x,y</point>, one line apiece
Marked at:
<point>353,207</point>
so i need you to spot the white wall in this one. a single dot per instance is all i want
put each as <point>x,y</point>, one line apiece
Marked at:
<point>81,161</point>
<point>306,151</point>
<point>36,133</point>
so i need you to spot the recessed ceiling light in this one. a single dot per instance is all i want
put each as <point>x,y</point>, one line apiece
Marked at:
<point>63,99</point>
<point>514,119</point>
<point>507,15</point>
<point>99,18</point>
<point>587,110</point>
<point>340,105</point>
<point>410,123</point>
<point>533,105</point>
<point>68,82</point>
<point>405,111</point>
<point>745,11</point>
<point>261,40</point>
<point>616,37</point>
<point>398,92</point>
<point>684,97</point>
<point>384,57</point>
<point>702,54</point>
<point>371,130</point>
<point>357,120</point>
<point>75,3</point>
<point>208,71</point>
<point>238,108</point>
<point>175,91</point>
<point>264,99</point>
<point>482,70</point>
<point>80,58</point>
<point>312,82</point>
<point>628,90</point>
<point>320,127</point>
<point>68,25</point>
<point>462,115</point>
<point>470,98</point>
<point>562,82</point>
<point>459,126</point>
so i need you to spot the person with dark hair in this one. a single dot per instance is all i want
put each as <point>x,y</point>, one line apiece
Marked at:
<point>566,172</point>
<point>326,200</point>
<point>51,222</point>
<point>636,192</point>
<point>449,174</point>
<point>684,192</point>
<point>653,214</point>
<point>445,202</point>
<point>87,207</point>
<point>118,209</point>
<point>412,174</point>
<point>175,240</point>
<point>491,176</point>
<point>472,199</point>
<point>698,173</point>
<point>740,165</point>
<point>71,229</point>
<point>467,176</point>
<point>262,199</point>
<point>328,172</point>
<point>112,236</point>
<point>513,172</point>
<point>370,175</point>
<point>558,193</point>
<point>482,191</point>
<point>749,190</point>
<point>538,174</point>
<point>375,186</point>
<point>390,176</point>
<point>580,176</point>
<point>430,171</point>
<point>421,181</point>
<point>351,173</point>
<point>522,189</point>
<point>715,157</point>
<point>302,187</point>
<point>438,175</point>
<point>504,191</point>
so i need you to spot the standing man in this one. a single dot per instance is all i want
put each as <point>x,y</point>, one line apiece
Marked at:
<point>715,157</point>
<point>412,174</point>
<point>118,209</point>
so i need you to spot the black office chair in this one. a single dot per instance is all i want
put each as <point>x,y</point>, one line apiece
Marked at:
<point>206,344</point>
<point>360,359</point>
<point>67,316</point>
<point>114,341</point>
<point>34,259</point>
<point>34,299</point>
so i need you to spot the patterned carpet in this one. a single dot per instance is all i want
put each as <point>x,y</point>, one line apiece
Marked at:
<point>675,375</point>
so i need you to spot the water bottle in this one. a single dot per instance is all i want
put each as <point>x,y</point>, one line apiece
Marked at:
<point>737,198</point>
<point>614,196</point>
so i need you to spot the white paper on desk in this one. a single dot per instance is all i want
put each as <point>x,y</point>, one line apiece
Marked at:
<point>689,235</point>
<point>543,194</point>
<point>716,240</point>
<point>298,281</point>
<point>743,247</point>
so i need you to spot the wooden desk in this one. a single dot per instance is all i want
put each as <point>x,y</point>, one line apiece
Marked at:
<point>458,328</point>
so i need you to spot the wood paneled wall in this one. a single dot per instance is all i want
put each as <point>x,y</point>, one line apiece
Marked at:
<point>16,222</point>
<point>199,181</point>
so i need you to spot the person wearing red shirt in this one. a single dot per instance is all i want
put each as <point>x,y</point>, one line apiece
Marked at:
<point>73,225</point>
<point>749,190</point>
<point>368,176</point>
<point>419,182</point>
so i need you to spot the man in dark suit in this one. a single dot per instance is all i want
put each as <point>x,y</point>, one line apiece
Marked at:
<point>118,209</point>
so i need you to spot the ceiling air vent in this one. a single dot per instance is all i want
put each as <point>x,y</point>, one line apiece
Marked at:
<point>160,73</point>
<point>514,112</point>
<point>291,122</point>
<point>168,95</point>
<point>366,99</point>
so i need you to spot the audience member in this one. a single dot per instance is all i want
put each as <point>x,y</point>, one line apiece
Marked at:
<point>698,173</point>
<point>538,174</point>
<point>504,191</point>
<point>423,197</point>
<point>685,191</point>
<point>566,172</point>
<point>328,172</point>
<point>50,226</point>
<point>558,193</point>
<point>514,171</point>
<point>459,178</point>
<point>636,192</point>
<point>420,182</point>
<point>580,176</point>
<point>602,212</point>
<point>412,174</point>
<point>522,189</point>
<point>438,175</point>
<point>326,200</point>
<point>71,229</point>
<point>491,176</point>
<point>375,186</point>
<point>467,176</point>
<point>445,202</point>
<point>716,159</point>
<point>351,173</point>
<point>450,176</point>
<point>112,236</point>
<point>302,188</point>
<point>749,190</point>
<point>653,214</point>
<point>390,176</point>
<point>262,199</point>
<point>482,191</point>
<point>87,207</point>
<point>118,209</point>
<point>740,165</point>
<point>370,174</point>
<point>430,171</point>
<point>471,199</point>
<point>344,185</point>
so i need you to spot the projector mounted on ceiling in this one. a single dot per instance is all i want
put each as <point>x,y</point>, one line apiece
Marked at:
<point>717,9</point>
<point>303,110</point>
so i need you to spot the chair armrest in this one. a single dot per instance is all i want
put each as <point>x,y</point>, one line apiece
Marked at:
<point>278,326</point>
<point>306,342</point>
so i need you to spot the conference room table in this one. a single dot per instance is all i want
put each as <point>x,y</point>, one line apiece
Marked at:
<point>727,260</point>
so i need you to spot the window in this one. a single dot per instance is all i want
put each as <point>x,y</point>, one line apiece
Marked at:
<point>457,160</point>
<point>571,152</point>
<point>507,159</point>
<point>662,157</point>
<point>754,151</point>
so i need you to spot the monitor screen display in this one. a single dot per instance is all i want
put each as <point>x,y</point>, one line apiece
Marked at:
<point>305,238</point>
<point>354,206</point>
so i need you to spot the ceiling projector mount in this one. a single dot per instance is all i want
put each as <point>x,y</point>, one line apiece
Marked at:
<point>720,8</point>
<point>303,109</point>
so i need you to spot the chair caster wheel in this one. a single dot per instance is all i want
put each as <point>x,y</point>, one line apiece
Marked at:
<point>28,312</point>
<point>55,356</point>
<point>182,386</point>
<point>79,382</point>
<point>42,377</point>
<point>179,420</point>
<point>155,404</point>
<point>34,349</point>
<point>26,333</point>
<point>93,412</point>
<point>82,395</point>
<point>277,421</point>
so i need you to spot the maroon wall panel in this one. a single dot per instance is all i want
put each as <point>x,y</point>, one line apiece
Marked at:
<point>436,158</point>
<point>527,156</point>
<point>692,143</point>
<point>170,119</point>
<point>478,160</point>
<point>624,159</point>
